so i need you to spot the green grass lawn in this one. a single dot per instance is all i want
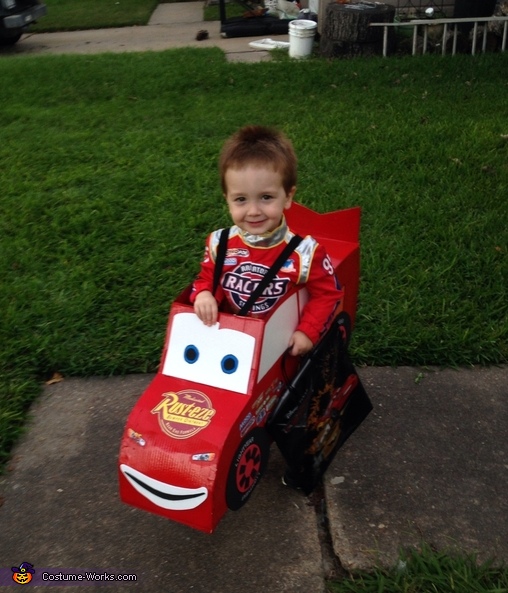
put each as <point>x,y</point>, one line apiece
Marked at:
<point>109,187</point>
<point>65,15</point>
<point>428,571</point>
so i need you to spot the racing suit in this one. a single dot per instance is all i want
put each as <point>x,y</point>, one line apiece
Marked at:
<point>249,257</point>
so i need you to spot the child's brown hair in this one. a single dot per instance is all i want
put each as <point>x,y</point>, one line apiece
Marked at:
<point>259,145</point>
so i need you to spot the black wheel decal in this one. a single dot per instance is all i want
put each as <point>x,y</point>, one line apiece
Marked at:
<point>248,465</point>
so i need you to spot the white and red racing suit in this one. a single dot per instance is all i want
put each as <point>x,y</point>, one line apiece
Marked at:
<point>248,259</point>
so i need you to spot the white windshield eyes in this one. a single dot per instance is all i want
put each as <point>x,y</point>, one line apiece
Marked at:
<point>221,358</point>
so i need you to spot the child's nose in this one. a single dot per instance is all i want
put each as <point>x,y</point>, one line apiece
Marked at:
<point>253,207</point>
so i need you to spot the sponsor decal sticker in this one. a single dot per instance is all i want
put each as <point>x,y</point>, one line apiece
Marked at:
<point>261,416</point>
<point>259,402</point>
<point>136,436</point>
<point>246,423</point>
<point>183,414</point>
<point>288,267</point>
<point>203,457</point>
<point>237,251</point>
<point>271,403</point>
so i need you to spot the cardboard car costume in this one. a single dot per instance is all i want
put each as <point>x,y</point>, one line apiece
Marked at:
<point>197,441</point>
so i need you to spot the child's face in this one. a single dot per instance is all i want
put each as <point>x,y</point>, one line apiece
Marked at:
<point>256,198</point>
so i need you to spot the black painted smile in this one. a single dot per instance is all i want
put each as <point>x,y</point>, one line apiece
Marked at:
<point>164,495</point>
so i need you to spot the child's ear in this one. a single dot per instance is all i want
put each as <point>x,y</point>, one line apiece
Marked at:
<point>289,197</point>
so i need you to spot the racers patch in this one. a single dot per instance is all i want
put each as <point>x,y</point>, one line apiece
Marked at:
<point>243,280</point>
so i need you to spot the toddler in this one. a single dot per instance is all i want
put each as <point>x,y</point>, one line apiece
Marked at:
<point>258,169</point>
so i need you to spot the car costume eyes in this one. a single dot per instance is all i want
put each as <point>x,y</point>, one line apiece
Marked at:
<point>229,364</point>
<point>191,354</point>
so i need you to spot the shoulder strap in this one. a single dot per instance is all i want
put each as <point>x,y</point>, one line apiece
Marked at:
<point>270,275</point>
<point>221,256</point>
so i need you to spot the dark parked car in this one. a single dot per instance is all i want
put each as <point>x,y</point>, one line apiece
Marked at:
<point>16,16</point>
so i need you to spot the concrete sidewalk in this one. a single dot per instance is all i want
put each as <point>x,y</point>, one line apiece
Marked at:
<point>171,26</point>
<point>429,464</point>
<point>62,509</point>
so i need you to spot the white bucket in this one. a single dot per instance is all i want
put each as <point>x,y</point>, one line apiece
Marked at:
<point>301,37</point>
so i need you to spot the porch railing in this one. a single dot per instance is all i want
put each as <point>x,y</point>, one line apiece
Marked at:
<point>447,24</point>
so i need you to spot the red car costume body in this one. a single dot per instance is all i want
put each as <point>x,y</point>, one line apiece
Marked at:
<point>197,441</point>
<point>248,259</point>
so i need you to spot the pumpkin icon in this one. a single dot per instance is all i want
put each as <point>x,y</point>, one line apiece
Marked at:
<point>22,574</point>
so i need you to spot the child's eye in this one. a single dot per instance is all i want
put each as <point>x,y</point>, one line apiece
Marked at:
<point>240,200</point>
<point>266,197</point>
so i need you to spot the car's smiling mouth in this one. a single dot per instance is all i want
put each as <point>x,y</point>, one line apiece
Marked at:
<point>164,495</point>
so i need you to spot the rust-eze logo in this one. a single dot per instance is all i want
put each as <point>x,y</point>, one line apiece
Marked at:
<point>182,415</point>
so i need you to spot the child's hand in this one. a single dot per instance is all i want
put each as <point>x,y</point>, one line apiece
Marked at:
<point>300,344</point>
<point>205,307</point>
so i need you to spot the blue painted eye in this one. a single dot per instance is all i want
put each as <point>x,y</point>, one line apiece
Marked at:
<point>229,364</point>
<point>191,354</point>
